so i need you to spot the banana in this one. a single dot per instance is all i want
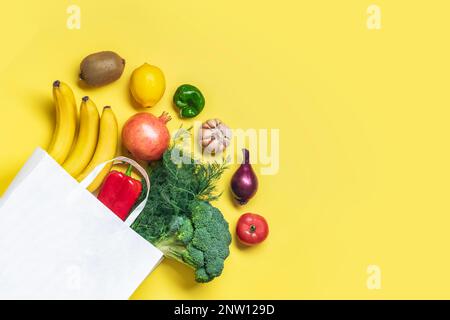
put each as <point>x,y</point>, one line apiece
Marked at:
<point>66,121</point>
<point>84,148</point>
<point>106,148</point>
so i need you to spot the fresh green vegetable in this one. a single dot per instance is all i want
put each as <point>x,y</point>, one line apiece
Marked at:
<point>189,100</point>
<point>178,218</point>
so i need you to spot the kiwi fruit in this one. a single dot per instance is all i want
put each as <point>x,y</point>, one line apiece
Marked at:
<point>101,68</point>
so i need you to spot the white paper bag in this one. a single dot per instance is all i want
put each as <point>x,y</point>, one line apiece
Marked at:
<point>57,241</point>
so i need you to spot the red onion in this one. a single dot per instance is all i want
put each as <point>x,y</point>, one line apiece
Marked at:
<point>244,182</point>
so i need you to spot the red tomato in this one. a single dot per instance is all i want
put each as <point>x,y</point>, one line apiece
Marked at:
<point>252,229</point>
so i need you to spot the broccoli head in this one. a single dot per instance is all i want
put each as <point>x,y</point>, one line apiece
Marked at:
<point>200,240</point>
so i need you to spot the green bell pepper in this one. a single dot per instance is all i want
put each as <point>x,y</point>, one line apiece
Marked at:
<point>189,100</point>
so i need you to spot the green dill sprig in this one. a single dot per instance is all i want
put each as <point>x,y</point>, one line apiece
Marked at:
<point>174,186</point>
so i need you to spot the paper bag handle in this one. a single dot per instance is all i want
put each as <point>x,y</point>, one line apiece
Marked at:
<point>94,173</point>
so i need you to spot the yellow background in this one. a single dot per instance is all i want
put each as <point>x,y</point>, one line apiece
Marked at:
<point>363,117</point>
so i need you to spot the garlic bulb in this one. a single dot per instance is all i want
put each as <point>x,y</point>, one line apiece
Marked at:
<point>215,136</point>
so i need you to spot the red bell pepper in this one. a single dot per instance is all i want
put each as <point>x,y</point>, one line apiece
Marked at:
<point>120,192</point>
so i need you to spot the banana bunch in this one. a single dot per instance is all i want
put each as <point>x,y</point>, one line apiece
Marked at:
<point>97,137</point>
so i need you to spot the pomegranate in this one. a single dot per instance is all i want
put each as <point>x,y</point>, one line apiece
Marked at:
<point>146,136</point>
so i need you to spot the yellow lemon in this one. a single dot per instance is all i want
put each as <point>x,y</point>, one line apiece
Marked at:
<point>147,85</point>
